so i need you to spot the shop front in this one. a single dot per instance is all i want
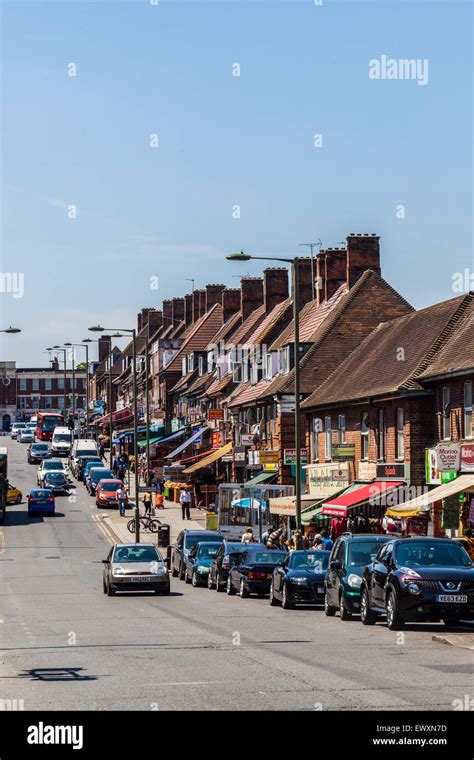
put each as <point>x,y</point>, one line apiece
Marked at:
<point>248,504</point>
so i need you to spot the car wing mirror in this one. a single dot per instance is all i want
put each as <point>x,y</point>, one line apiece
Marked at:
<point>105,561</point>
<point>335,564</point>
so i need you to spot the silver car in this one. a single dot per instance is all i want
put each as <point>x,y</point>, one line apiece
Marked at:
<point>135,567</point>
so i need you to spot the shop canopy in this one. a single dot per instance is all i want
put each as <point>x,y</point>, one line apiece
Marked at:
<point>158,441</point>
<point>187,443</point>
<point>261,478</point>
<point>205,461</point>
<point>286,505</point>
<point>352,497</point>
<point>422,503</point>
<point>153,429</point>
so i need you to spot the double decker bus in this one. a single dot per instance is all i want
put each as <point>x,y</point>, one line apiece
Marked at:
<point>46,423</point>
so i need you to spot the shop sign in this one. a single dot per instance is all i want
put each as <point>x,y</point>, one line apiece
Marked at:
<point>246,439</point>
<point>269,457</point>
<point>290,456</point>
<point>334,511</point>
<point>328,479</point>
<point>417,526</point>
<point>240,456</point>
<point>398,470</point>
<point>343,451</point>
<point>448,457</point>
<point>215,414</point>
<point>177,423</point>
<point>367,471</point>
<point>433,476</point>
<point>467,457</point>
<point>217,439</point>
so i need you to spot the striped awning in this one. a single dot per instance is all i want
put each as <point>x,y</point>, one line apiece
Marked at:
<point>205,461</point>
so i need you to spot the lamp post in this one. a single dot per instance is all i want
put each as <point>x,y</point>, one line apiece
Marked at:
<point>109,391</point>
<point>58,348</point>
<point>133,333</point>
<point>73,377</point>
<point>86,347</point>
<point>296,350</point>
<point>11,330</point>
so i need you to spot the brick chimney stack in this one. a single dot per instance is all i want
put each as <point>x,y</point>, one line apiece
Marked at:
<point>202,301</point>
<point>363,252</point>
<point>230,302</point>
<point>105,347</point>
<point>167,313</point>
<point>251,295</point>
<point>188,309</point>
<point>275,287</point>
<point>307,272</point>
<point>146,316</point>
<point>320,277</point>
<point>213,295</point>
<point>155,320</point>
<point>177,310</point>
<point>196,312</point>
<point>336,270</point>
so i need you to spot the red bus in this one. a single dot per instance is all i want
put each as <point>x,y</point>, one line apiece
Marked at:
<point>46,423</point>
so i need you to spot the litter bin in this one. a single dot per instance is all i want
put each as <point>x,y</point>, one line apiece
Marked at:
<point>163,535</point>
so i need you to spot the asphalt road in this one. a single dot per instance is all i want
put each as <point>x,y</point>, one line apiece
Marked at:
<point>65,645</point>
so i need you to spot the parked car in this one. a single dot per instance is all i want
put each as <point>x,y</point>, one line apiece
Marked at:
<point>95,475</point>
<point>199,561</point>
<point>135,567</point>
<point>14,495</point>
<point>81,447</point>
<point>41,501</point>
<point>253,571</point>
<point>183,545</point>
<point>49,465</point>
<point>57,482</point>
<point>61,441</point>
<point>299,579</point>
<point>82,461</point>
<point>418,579</point>
<point>350,555</point>
<point>37,452</point>
<point>25,435</point>
<point>105,494</point>
<point>16,427</point>
<point>221,562</point>
<point>95,462</point>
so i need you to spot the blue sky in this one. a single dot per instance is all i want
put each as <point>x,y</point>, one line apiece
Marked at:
<point>224,140</point>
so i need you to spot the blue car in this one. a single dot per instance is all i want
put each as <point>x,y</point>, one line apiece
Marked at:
<point>41,501</point>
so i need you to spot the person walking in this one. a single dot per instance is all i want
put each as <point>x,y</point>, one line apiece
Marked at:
<point>121,499</point>
<point>159,501</point>
<point>147,503</point>
<point>102,450</point>
<point>185,501</point>
<point>248,537</point>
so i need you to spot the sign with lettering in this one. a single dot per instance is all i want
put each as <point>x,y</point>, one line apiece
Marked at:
<point>342,451</point>
<point>246,439</point>
<point>217,439</point>
<point>215,414</point>
<point>448,457</point>
<point>269,457</point>
<point>387,470</point>
<point>290,456</point>
<point>327,479</point>
<point>367,471</point>
<point>467,457</point>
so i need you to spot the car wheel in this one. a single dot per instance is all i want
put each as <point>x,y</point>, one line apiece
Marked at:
<point>29,513</point>
<point>167,591</point>
<point>104,587</point>
<point>273,601</point>
<point>229,588</point>
<point>174,573</point>
<point>394,620</point>
<point>366,615</point>
<point>219,586</point>
<point>329,610</point>
<point>18,499</point>
<point>285,602</point>
<point>343,611</point>
<point>187,579</point>
<point>210,583</point>
<point>182,572</point>
<point>110,591</point>
<point>194,580</point>
<point>243,592</point>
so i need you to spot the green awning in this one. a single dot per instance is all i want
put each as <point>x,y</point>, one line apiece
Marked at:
<point>261,478</point>
<point>140,444</point>
<point>311,514</point>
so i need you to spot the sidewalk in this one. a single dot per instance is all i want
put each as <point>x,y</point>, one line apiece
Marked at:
<point>462,640</point>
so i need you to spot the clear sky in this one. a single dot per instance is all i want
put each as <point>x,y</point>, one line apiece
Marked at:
<point>224,140</point>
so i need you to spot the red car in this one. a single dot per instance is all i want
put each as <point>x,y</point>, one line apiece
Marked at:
<point>105,494</point>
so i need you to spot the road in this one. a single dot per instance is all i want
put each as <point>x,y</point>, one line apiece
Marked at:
<point>65,645</point>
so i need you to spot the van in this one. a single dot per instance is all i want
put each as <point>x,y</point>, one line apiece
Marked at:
<point>81,447</point>
<point>61,441</point>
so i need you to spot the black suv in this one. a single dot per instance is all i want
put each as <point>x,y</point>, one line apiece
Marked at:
<point>221,563</point>
<point>418,579</point>
<point>183,545</point>
<point>350,555</point>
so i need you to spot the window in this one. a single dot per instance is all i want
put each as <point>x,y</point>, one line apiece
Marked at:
<point>468,410</point>
<point>446,413</point>
<point>48,402</point>
<point>60,402</point>
<point>315,428</point>
<point>80,402</point>
<point>183,365</point>
<point>284,360</point>
<point>23,402</point>
<point>267,366</point>
<point>22,384</point>
<point>35,384</point>
<point>48,384</point>
<point>327,438</point>
<point>60,383</point>
<point>381,441</point>
<point>35,401</point>
<point>210,359</point>
<point>201,366</point>
<point>190,362</point>
<point>245,371</point>
<point>400,439</point>
<point>364,435</point>
<point>342,428</point>
<point>254,373</point>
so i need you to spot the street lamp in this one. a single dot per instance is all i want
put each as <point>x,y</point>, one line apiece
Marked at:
<point>133,333</point>
<point>109,394</point>
<point>79,345</point>
<point>58,348</point>
<point>11,330</point>
<point>73,379</point>
<point>296,350</point>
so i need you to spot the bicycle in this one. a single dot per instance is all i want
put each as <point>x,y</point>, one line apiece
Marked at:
<point>146,522</point>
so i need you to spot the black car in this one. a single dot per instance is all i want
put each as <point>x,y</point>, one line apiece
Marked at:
<point>183,545</point>
<point>299,579</point>
<point>221,562</point>
<point>350,555</point>
<point>199,561</point>
<point>37,452</point>
<point>57,482</point>
<point>253,570</point>
<point>81,463</point>
<point>418,579</point>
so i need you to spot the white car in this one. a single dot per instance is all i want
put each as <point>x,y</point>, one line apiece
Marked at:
<point>16,427</point>
<point>25,436</point>
<point>50,465</point>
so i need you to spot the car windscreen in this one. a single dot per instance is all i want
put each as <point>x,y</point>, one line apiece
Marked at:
<point>110,487</point>
<point>85,453</point>
<point>20,426</point>
<point>426,553</point>
<point>53,464</point>
<point>62,438</point>
<point>192,540</point>
<point>49,423</point>
<point>317,561</point>
<point>40,447</point>
<point>136,554</point>
<point>54,477</point>
<point>207,551</point>
<point>41,495</point>
<point>100,474</point>
<point>271,557</point>
<point>362,553</point>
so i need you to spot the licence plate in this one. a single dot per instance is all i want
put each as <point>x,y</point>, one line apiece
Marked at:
<point>455,598</point>
<point>320,589</point>
<point>141,579</point>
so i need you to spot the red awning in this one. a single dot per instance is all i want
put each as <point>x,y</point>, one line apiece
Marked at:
<point>338,507</point>
<point>120,416</point>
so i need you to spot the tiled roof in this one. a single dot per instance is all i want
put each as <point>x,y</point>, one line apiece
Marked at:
<point>269,321</point>
<point>392,357</point>
<point>247,326</point>
<point>226,330</point>
<point>177,330</point>
<point>199,383</point>
<point>250,392</point>
<point>183,381</point>
<point>198,339</point>
<point>457,353</point>
<point>311,316</point>
<point>218,386</point>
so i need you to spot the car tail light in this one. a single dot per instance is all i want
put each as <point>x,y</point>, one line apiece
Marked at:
<point>255,575</point>
<point>51,498</point>
<point>225,563</point>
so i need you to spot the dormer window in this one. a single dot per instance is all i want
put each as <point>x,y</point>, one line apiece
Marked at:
<point>184,365</point>
<point>190,362</point>
<point>267,366</point>
<point>284,360</point>
<point>201,366</point>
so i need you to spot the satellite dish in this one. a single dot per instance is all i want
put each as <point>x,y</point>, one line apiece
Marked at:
<point>6,381</point>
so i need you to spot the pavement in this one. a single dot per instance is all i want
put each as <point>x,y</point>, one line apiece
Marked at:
<point>66,645</point>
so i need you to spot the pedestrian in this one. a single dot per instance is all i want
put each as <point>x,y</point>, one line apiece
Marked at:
<point>267,534</point>
<point>102,450</point>
<point>147,503</point>
<point>326,540</point>
<point>121,497</point>
<point>185,501</point>
<point>275,540</point>
<point>159,501</point>
<point>116,465</point>
<point>121,473</point>
<point>248,537</point>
